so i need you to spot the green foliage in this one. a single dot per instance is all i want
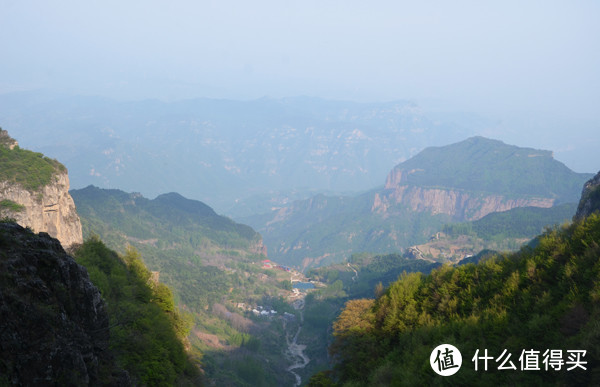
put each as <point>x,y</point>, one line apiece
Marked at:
<point>11,206</point>
<point>511,170</point>
<point>31,170</point>
<point>286,285</point>
<point>331,228</point>
<point>145,328</point>
<point>547,297</point>
<point>525,222</point>
<point>210,264</point>
<point>170,219</point>
<point>371,270</point>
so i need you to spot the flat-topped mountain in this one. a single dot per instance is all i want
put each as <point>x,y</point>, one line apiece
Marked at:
<point>478,176</point>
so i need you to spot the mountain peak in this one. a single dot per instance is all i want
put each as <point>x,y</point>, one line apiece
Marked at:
<point>177,201</point>
<point>487,165</point>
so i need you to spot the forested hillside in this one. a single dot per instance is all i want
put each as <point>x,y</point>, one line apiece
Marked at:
<point>540,298</point>
<point>525,222</point>
<point>516,171</point>
<point>169,221</point>
<point>215,269</point>
<point>460,182</point>
<point>147,331</point>
<point>61,327</point>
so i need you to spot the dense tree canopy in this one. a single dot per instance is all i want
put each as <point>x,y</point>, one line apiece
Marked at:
<point>146,330</point>
<point>541,298</point>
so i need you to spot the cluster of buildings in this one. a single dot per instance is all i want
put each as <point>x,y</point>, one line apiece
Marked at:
<point>258,310</point>
<point>264,312</point>
<point>267,264</point>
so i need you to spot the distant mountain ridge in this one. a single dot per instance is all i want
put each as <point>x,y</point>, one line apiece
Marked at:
<point>457,182</point>
<point>130,216</point>
<point>478,176</point>
<point>224,152</point>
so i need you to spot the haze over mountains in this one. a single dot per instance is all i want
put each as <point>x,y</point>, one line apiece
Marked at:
<point>258,154</point>
<point>432,141</point>
<point>457,182</point>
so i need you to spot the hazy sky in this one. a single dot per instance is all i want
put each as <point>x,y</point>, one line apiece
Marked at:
<point>519,55</point>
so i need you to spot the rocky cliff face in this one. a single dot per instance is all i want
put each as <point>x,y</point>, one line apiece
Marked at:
<point>50,210</point>
<point>53,323</point>
<point>590,198</point>
<point>44,203</point>
<point>459,204</point>
<point>475,177</point>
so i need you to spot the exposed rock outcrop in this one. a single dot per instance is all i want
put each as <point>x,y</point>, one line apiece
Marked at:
<point>54,329</point>
<point>459,204</point>
<point>590,198</point>
<point>46,205</point>
<point>50,210</point>
<point>475,177</point>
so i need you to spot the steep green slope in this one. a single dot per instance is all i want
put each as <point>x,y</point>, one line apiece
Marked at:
<point>146,330</point>
<point>213,265</point>
<point>362,276</point>
<point>536,299</point>
<point>525,222</point>
<point>170,218</point>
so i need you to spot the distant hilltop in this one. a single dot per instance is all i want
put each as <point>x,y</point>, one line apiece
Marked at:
<point>464,181</point>
<point>34,191</point>
<point>476,177</point>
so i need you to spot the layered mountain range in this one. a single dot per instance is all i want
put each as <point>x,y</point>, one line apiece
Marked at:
<point>241,157</point>
<point>462,181</point>
<point>473,178</point>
